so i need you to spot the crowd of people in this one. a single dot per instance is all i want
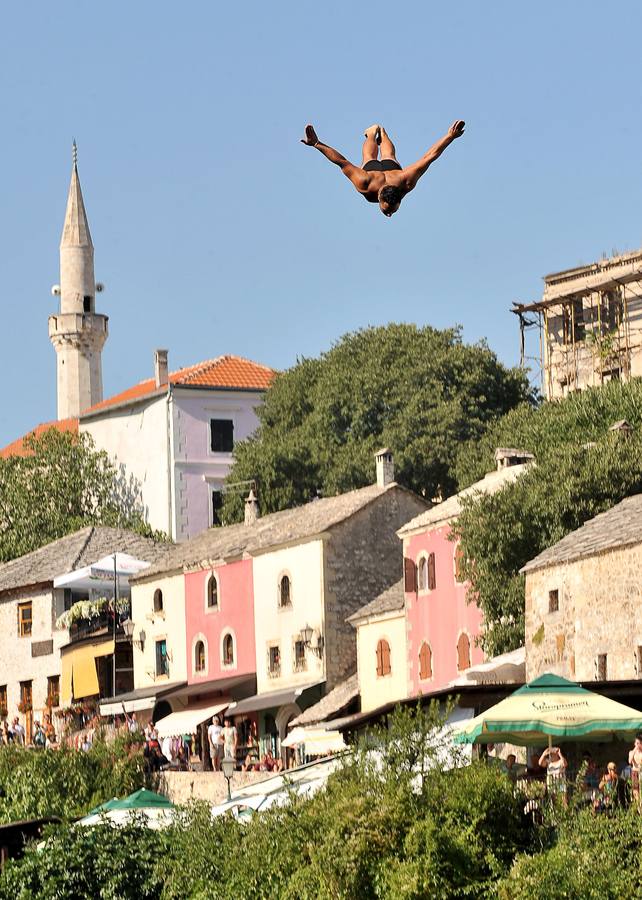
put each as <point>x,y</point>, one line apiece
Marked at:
<point>602,787</point>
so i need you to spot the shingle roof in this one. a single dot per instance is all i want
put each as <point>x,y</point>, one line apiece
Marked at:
<point>334,702</point>
<point>82,548</point>
<point>617,527</point>
<point>390,600</point>
<point>271,530</point>
<point>450,508</point>
<point>225,372</point>
<point>17,447</point>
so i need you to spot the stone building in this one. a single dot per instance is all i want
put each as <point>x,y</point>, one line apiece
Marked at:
<point>31,643</point>
<point>589,325</point>
<point>583,600</point>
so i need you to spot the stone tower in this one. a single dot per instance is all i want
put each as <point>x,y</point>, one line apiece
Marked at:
<point>77,332</point>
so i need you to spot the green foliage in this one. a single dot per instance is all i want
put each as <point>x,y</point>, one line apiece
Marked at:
<point>64,782</point>
<point>62,485</point>
<point>594,858</point>
<point>571,483</point>
<point>419,391</point>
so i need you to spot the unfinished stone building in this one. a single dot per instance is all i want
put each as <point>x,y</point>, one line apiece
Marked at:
<point>589,325</point>
<point>583,600</point>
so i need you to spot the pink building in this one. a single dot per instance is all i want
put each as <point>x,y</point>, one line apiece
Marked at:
<point>219,614</point>
<point>441,626</point>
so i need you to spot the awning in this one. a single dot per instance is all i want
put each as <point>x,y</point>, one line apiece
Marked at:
<point>315,740</point>
<point>139,698</point>
<point>268,701</point>
<point>101,570</point>
<point>79,675</point>
<point>187,720</point>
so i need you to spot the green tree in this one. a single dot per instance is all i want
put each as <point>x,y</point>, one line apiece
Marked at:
<point>582,469</point>
<point>419,391</point>
<point>61,485</point>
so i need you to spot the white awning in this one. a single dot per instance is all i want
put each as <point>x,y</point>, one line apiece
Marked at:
<point>315,740</point>
<point>507,668</point>
<point>271,700</point>
<point>101,570</point>
<point>117,709</point>
<point>187,720</point>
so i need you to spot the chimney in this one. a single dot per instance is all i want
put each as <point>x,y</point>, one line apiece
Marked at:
<point>251,508</point>
<point>385,467</point>
<point>160,368</point>
<point>509,456</point>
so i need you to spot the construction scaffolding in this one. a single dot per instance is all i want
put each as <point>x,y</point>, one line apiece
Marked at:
<point>588,326</point>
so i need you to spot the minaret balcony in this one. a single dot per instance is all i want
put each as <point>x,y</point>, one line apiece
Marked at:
<point>80,326</point>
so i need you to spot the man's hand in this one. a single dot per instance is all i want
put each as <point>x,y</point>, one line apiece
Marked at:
<point>310,139</point>
<point>456,129</point>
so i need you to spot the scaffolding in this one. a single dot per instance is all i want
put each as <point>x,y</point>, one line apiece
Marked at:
<point>584,326</point>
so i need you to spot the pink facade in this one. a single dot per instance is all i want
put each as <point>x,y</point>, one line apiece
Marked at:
<point>219,613</point>
<point>439,618</point>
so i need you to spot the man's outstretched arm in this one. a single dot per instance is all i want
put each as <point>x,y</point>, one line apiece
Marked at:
<point>356,175</point>
<point>414,172</point>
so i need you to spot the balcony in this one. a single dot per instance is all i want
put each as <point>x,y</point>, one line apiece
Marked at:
<point>94,618</point>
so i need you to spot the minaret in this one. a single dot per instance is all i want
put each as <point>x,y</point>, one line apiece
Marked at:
<point>77,332</point>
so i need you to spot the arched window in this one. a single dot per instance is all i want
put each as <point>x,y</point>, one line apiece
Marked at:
<point>422,574</point>
<point>383,657</point>
<point>199,656</point>
<point>228,650</point>
<point>285,593</point>
<point>459,561</point>
<point>425,661</point>
<point>212,592</point>
<point>158,600</point>
<point>463,652</point>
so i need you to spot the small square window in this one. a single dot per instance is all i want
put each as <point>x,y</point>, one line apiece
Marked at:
<point>638,661</point>
<point>300,662</point>
<point>553,601</point>
<point>274,661</point>
<point>602,671</point>
<point>217,506</point>
<point>221,435</point>
<point>24,619</point>
<point>162,664</point>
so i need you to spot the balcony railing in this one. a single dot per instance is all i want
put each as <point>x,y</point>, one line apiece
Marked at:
<point>104,622</point>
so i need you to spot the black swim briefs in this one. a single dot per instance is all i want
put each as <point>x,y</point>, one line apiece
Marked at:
<point>381,165</point>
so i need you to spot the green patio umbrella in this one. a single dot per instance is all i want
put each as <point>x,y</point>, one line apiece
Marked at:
<point>155,809</point>
<point>551,707</point>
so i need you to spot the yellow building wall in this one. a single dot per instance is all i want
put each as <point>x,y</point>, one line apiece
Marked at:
<point>375,689</point>
<point>168,624</point>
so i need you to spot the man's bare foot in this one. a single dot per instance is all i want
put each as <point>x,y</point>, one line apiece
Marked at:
<point>310,138</point>
<point>374,131</point>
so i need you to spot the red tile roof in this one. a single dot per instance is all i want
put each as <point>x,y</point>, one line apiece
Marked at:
<point>224,372</point>
<point>17,448</point>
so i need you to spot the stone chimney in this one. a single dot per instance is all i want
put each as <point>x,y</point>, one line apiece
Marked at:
<point>160,368</point>
<point>385,467</point>
<point>251,508</point>
<point>509,456</point>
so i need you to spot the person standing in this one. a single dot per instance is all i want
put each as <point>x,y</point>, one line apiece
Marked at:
<point>216,747</point>
<point>229,740</point>
<point>635,761</point>
<point>555,764</point>
<point>19,732</point>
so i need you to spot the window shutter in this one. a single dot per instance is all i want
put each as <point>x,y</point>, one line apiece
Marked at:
<point>425,661</point>
<point>432,581</point>
<point>463,652</point>
<point>459,559</point>
<point>410,576</point>
<point>379,657</point>
<point>385,658</point>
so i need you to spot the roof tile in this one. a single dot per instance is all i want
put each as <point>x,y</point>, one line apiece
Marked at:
<point>17,447</point>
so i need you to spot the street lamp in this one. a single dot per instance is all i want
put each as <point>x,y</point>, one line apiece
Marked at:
<point>306,637</point>
<point>228,764</point>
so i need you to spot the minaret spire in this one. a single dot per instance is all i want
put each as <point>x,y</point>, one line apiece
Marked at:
<point>78,333</point>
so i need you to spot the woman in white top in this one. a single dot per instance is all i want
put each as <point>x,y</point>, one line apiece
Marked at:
<point>552,759</point>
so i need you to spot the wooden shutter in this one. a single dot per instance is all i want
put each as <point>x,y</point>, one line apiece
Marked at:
<point>379,657</point>
<point>385,658</point>
<point>459,559</point>
<point>432,581</point>
<point>463,652</point>
<point>425,661</point>
<point>410,576</point>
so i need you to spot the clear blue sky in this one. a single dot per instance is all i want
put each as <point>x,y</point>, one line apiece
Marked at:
<point>216,231</point>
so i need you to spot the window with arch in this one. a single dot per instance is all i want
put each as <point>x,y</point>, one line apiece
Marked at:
<point>285,591</point>
<point>383,658</point>
<point>228,650</point>
<point>459,563</point>
<point>212,592</point>
<point>425,661</point>
<point>199,656</point>
<point>463,652</point>
<point>158,600</point>
<point>422,574</point>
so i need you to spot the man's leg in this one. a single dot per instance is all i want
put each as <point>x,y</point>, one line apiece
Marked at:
<point>371,144</point>
<point>387,147</point>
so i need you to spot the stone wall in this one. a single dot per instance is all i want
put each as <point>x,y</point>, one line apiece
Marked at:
<point>600,599</point>
<point>181,787</point>
<point>362,559</point>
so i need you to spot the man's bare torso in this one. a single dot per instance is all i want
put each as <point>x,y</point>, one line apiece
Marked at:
<point>370,183</point>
